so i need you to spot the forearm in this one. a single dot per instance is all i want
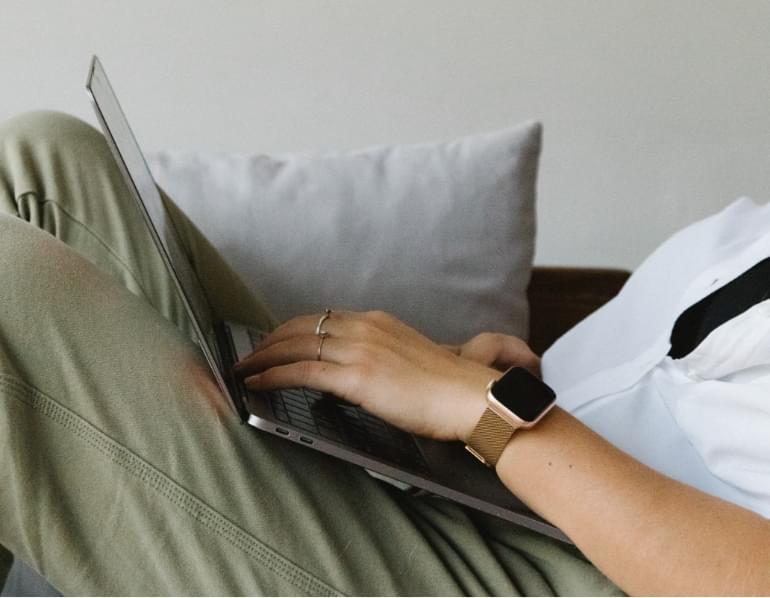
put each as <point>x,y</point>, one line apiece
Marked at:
<point>646,532</point>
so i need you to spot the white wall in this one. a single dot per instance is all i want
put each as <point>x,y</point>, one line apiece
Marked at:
<point>656,113</point>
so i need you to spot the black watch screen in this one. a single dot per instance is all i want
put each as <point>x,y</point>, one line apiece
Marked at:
<point>523,393</point>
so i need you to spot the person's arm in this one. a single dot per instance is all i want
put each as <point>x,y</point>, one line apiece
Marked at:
<point>647,533</point>
<point>680,541</point>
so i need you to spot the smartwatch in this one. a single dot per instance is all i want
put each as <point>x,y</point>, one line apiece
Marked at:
<point>518,399</point>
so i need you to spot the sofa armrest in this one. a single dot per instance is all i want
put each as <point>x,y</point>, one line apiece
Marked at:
<point>560,297</point>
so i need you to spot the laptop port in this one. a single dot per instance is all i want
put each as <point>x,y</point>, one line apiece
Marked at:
<point>283,431</point>
<point>306,440</point>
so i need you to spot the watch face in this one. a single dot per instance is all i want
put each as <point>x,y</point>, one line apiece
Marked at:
<point>524,394</point>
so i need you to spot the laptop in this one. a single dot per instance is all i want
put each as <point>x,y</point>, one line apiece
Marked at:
<point>315,420</point>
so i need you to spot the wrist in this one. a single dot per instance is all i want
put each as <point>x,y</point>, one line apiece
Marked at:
<point>543,436</point>
<point>515,401</point>
<point>475,403</point>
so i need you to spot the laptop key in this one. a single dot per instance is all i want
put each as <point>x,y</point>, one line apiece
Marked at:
<point>281,415</point>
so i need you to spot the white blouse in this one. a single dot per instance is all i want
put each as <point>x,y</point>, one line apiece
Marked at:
<point>703,419</point>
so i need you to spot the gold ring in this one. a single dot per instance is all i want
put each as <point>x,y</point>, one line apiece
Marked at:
<point>326,316</point>
<point>321,339</point>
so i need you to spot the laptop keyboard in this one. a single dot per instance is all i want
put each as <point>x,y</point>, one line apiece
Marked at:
<point>326,416</point>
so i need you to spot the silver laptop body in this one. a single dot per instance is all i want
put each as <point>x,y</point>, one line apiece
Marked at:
<point>315,420</point>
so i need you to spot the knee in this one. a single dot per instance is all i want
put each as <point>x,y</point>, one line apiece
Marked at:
<point>46,131</point>
<point>43,153</point>
<point>46,127</point>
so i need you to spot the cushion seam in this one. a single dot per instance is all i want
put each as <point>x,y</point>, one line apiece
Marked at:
<point>152,477</point>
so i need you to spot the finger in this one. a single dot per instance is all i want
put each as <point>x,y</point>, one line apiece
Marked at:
<point>293,327</point>
<point>484,348</point>
<point>501,351</point>
<point>318,375</point>
<point>309,324</point>
<point>454,349</point>
<point>299,348</point>
<point>514,351</point>
<point>298,326</point>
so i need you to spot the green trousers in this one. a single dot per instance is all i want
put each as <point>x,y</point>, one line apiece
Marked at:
<point>124,470</point>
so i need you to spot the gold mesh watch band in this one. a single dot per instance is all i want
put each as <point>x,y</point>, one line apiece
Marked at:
<point>489,438</point>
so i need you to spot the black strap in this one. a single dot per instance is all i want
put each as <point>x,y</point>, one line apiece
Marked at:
<point>695,323</point>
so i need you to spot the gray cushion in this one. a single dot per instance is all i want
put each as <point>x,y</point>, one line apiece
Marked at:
<point>440,234</point>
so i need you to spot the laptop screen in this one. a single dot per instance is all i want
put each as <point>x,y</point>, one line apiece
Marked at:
<point>130,159</point>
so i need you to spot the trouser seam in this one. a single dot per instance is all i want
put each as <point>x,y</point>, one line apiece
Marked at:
<point>110,251</point>
<point>166,487</point>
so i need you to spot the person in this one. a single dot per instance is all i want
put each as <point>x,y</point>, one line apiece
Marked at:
<point>125,472</point>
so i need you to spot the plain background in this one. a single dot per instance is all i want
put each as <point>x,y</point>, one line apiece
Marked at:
<point>656,112</point>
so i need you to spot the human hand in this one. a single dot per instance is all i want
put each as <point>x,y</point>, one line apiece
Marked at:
<point>375,361</point>
<point>500,351</point>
